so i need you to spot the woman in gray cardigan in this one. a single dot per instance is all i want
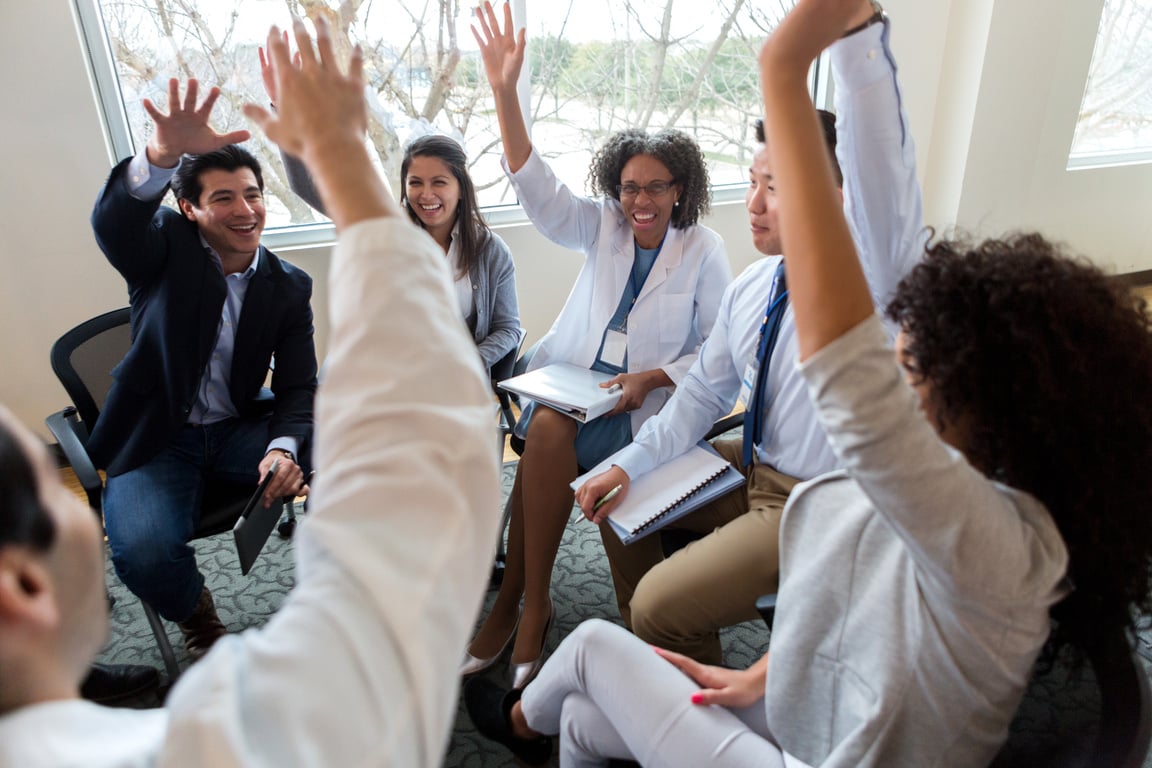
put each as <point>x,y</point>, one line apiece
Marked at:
<point>440,197</point>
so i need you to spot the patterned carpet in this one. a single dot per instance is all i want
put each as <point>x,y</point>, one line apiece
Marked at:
<point>582,589</point>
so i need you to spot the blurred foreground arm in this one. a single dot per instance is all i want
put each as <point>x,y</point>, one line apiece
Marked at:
<point>358,667</point>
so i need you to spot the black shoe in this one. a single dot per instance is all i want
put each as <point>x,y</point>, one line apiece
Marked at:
<point>112,682</point>
<point>489,706</point>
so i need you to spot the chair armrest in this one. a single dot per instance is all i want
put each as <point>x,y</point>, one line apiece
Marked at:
<point>72,437</point>
<point>766,607</point>
<point>725,424</point>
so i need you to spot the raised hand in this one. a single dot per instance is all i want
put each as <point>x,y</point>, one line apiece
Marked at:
<point>809,28</point>
<point>501,51</point>
<point>315,102</point>
<point>185,129</point>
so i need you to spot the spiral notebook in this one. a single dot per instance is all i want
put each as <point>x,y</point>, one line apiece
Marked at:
<point>670,491</point>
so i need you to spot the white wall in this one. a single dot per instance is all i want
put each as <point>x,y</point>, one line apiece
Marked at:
<point>991,86</point>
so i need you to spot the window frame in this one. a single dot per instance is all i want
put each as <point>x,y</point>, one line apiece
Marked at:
<point>118,137</point>
<point>1086,160</point>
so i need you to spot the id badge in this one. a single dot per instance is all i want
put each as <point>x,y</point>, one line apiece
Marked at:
<point>615,348</point>
<point>747,383</point>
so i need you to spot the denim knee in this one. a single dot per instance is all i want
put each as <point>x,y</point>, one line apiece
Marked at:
<point>161,571</point>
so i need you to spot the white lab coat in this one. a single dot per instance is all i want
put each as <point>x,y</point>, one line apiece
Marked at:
<point>675,309</point>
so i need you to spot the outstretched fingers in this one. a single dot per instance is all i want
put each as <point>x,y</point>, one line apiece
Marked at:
<point>324,43</point>
<point>205,109</point>
<point>356,65</point>
<point>304,47</point>
<point>152,110</point>
<point>279,58</point>
<point>483,18</point>
<point>268,72</point>
<point>191,92</point>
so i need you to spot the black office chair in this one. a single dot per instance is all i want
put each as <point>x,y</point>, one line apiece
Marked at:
<point>505,368</point>
<point>512,364</point>
<point>1100,716</point>
<point>83,359</point>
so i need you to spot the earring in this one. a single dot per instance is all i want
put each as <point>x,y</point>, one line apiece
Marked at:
<point>676,204</point>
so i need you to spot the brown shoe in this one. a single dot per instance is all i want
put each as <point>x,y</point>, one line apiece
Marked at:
<point>203,627</point>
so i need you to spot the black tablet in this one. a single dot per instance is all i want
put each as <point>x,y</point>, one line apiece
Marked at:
<point>255,524</point>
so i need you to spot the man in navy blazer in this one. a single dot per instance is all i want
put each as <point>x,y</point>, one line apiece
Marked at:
<point>212,310</point>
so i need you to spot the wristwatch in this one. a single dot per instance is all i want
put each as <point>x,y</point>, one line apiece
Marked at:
<point>287,453</point>
<point>876,17</point>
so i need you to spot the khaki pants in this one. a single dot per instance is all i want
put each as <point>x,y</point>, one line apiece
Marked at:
<point>682,603</point>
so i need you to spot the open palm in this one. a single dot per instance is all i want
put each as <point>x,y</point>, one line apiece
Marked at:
<point>185,129</point>
<point>501,50</point>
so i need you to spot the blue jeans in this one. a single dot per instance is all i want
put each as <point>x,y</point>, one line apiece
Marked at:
<point>151,512</point>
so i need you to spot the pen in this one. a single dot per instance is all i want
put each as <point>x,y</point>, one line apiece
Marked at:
<point>615,388</point>
<point>607,498</point>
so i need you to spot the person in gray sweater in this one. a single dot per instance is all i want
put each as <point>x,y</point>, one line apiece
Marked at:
<point>916,582</point>
<point>439,196</point>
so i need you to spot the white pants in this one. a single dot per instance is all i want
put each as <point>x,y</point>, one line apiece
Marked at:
<point>608,695</point>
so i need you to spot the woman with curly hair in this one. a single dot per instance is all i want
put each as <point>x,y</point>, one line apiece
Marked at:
<point>644,301</point>
<point>996,470</point>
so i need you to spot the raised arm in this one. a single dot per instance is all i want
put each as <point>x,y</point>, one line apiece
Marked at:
<point>946,511</point>
<point>408,484</point>
<point>122,221</point>
<point>878,157</point>
<point>503,55</point>
<point>828,291</point>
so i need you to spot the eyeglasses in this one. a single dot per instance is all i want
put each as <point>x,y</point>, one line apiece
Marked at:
<point>652,189</point>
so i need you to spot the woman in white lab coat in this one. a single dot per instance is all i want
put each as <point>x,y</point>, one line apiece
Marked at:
<point>642,305</point>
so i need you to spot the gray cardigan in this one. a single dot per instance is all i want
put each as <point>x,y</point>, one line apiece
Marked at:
<point>495,321</point>
<point>914,591</point>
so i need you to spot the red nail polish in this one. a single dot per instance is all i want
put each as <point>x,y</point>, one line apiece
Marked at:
<point>697,698</point>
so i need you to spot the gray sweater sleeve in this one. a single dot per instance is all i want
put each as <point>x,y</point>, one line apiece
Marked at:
<point>300,181</point>
<point>503,327</point>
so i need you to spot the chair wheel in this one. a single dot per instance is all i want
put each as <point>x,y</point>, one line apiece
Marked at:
<point>286,528</point>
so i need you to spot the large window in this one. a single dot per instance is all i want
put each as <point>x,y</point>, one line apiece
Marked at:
<point>594,67</point>
<point>1115,124</point>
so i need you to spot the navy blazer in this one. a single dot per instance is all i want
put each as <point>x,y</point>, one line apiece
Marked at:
<point>177,295</point>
